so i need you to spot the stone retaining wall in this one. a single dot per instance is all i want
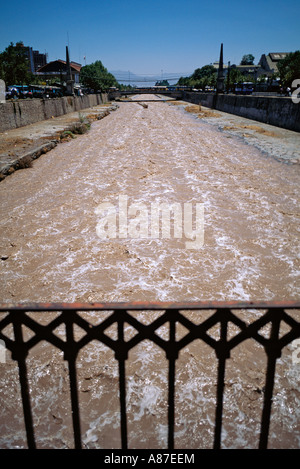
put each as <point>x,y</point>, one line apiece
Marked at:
<point>14,114</point>
<point>278,111</point>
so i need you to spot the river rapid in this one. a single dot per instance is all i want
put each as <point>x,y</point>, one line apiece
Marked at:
<point>52,251</point>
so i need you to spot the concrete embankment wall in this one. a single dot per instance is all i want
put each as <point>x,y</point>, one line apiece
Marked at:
<point>281,112</point>
<point>14,114</point>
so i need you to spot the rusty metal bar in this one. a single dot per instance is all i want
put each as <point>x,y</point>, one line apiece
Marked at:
<point>222,355</point>
<point>70,357</point>
<point>222,313</point>
<point>273,354</point>
<point>141,305</point>
<point>123,413</point>
<point>171,356</point>
<point>121,356</point>
<point>19,354</point>
<point>171,401</point>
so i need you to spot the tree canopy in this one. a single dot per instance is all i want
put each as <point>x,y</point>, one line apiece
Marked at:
<point>289,68</point>
<point>236,76</point>
<point>96,76</point>
<point>14,65</point>
<point>204,76</point>
<point>204,72</point>
<point>162,83</point>
<point>247,59</point>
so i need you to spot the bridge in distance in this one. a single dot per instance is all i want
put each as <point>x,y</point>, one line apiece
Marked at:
<point>175,94</point>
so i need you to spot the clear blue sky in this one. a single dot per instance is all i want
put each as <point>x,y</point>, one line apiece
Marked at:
<point>148,37</point>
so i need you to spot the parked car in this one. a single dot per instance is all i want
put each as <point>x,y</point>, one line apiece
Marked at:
<point>25,92</point>
<point>18,91</point>
<point>37,91</point>
<point>12,92</point>
<point>244,88</point>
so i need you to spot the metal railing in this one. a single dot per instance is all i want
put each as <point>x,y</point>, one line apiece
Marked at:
<point>171,313</point>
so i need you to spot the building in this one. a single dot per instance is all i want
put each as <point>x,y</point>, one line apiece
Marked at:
<point>39,60</point>
<point>268,63</point>
<point>58,69</point>
<point>267,66</point>
<point>253,71</point>
<point>216,66</point>
<point>35,58</point>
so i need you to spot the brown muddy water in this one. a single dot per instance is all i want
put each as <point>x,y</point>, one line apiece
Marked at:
<point>51,252</point>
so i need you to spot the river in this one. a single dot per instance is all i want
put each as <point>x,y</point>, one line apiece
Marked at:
<point>52,251</point>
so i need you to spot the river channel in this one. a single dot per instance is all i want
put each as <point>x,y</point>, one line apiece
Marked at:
<point>55,248</point>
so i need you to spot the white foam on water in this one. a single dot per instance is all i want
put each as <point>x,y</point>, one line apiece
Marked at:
<point>250,250</point>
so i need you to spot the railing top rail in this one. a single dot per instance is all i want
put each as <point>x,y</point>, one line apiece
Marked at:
<point>143,305</point>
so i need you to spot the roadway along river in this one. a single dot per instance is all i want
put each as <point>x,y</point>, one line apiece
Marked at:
<point>51,251</point>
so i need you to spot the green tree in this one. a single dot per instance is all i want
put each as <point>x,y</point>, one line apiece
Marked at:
<point>247,59</point>
<point>289,68</point>
<point>97,77</point>
<point>125,87</point>
<point>14,65</point>
<point>184,81</point>
<point>205,72</point>
<point>204,76</point>
<point>162,83</point>
<point>236,76</point>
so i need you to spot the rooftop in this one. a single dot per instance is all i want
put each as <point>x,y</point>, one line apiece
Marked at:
<point>53,65</point>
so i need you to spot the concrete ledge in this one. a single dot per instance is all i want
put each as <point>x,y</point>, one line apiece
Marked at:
<point>15,114</point>
<point>26,159</point>
<point>21,146</point>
